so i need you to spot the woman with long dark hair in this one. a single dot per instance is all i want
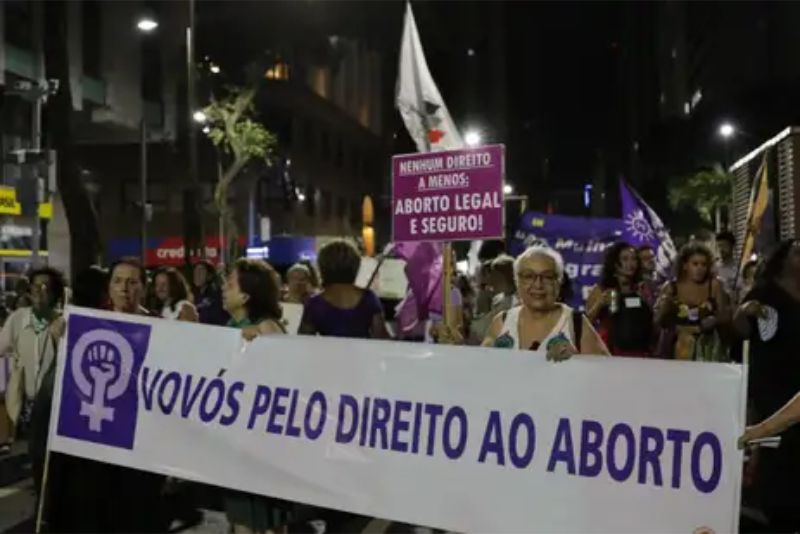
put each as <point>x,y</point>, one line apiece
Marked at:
<point>173,300</point>
<point>770,319</point>
<point>694,306</point>
<point>619,304</point>
<point>207,290</point>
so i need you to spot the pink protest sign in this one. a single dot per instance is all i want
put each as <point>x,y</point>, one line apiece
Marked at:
<point>448,196</point>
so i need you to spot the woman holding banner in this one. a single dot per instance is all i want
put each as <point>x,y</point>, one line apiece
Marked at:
<point>770,319</point>
<point>111,498</point>
<point>541,322</point>
<point>251,296</point>
<point>619,304</point>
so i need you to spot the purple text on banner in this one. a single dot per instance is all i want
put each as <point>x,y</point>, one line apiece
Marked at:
<point>448,196</point>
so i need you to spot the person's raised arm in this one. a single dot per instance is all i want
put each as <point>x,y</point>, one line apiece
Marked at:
<point>784,418</point>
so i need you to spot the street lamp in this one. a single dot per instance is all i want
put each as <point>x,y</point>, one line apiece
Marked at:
<point>508,189</point>
<point>146,24</point>
<point>727,130</point>
<point>200,117</point>
<point>473,138</point>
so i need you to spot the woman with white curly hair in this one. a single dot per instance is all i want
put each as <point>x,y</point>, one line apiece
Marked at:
<point>541,322</point>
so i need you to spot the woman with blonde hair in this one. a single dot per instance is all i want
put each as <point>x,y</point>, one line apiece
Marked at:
<point>695,306</point>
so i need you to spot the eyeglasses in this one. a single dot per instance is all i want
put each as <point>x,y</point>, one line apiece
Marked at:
<point>531,277</point>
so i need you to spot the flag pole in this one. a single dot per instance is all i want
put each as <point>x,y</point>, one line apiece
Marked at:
<point>447,282</point>
<point>760,175</point>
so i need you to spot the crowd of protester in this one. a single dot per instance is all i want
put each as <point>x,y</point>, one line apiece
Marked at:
<point>702,312</point>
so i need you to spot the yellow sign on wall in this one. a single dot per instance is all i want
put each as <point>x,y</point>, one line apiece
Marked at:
<point>8,201</point>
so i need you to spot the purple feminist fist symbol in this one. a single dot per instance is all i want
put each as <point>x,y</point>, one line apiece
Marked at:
<point>108,358</point>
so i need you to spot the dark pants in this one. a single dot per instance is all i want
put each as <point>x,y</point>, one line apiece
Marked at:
<point>779,480</point>
<point>88,496</point>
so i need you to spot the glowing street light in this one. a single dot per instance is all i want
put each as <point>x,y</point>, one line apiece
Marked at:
<point>200,117</point>
<point>146,24</point>
<point>473,138</point>
<point>508,189</point>
<point>727,130</point>
<point>214,68</point>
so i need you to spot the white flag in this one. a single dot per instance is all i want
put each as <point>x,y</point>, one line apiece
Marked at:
<point>418,99</point>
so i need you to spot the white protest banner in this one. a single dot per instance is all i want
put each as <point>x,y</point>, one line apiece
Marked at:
<point>459,438</point>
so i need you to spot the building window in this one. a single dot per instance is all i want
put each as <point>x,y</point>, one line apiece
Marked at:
<point>279,71</point>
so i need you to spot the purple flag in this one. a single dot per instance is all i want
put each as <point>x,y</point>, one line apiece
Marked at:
<point>424,274</point>
<point>644,227</point>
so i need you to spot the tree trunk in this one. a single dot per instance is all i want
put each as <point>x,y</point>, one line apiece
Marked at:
<point>231,237</point>
<point>228,221</point>
<point>84,235</point>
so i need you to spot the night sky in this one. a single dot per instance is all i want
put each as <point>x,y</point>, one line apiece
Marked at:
<point>581,82</point>
<point>557,90</point>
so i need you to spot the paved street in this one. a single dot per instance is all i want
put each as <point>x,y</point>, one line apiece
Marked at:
<point>17,506</point>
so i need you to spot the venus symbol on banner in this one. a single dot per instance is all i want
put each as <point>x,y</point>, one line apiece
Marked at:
<point>109,361</point>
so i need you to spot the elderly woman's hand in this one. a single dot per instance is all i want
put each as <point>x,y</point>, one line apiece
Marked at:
<point>249,333</point>
<point>559,349</point>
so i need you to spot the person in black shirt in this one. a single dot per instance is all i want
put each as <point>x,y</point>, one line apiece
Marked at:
<point>770,318</point>
<point>621,304</point>
<point>207,292</point>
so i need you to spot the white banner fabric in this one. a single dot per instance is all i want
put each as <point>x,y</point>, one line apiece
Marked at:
<point>458,438</point>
